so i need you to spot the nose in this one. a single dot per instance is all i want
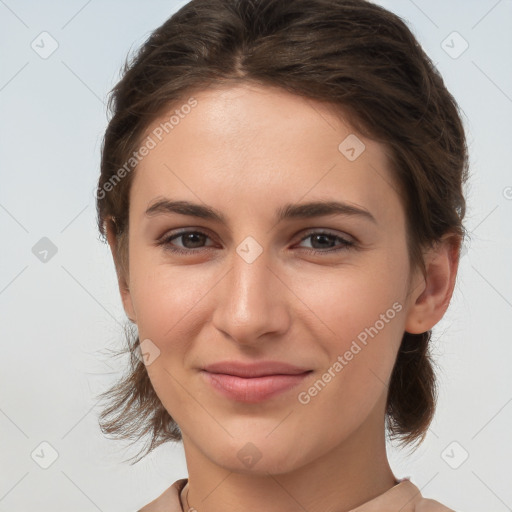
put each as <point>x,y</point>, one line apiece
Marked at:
<point>252,301</point>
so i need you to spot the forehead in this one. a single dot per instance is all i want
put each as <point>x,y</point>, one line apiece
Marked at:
<point>246,144</point>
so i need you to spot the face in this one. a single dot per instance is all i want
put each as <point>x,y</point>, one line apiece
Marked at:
<point>322,289</point>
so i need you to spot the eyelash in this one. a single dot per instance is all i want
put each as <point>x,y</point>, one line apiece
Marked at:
<point>166,242</point>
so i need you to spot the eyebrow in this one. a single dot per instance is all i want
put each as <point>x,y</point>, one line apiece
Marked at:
<point>286,212</point>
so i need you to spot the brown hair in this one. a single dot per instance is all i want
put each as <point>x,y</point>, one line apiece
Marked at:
<point>361,59</point>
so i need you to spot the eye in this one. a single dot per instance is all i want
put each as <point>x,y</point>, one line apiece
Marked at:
<point>190,239</point>
<point>325,241</point>
<point>193,241</point>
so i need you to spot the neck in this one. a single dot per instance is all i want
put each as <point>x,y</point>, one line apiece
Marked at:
<point>349,475</point>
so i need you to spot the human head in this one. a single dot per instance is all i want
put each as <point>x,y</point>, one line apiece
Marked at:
<point>328,51</point>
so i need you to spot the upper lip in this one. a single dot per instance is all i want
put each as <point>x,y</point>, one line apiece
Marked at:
<point>260,369</point>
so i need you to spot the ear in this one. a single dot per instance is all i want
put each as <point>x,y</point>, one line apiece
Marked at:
<point>431,294</point>
<point>121,270</point>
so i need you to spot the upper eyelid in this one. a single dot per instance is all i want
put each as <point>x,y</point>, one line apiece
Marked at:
<point>328,232</point>
<point>184,231</point>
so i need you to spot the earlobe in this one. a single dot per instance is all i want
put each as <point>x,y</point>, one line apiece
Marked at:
<point>127,302</point>
<point>121,271</point>
<point>430,300</point>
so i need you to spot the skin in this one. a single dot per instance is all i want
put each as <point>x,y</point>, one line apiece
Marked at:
<point>246,151</point>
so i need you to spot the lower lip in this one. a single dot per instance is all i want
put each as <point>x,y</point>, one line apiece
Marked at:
<point>254,389</point>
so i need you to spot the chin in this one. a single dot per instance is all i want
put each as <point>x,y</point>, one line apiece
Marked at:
<point>260,456</point>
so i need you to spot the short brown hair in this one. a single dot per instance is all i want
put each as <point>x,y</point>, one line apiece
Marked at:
<point>361,59</point>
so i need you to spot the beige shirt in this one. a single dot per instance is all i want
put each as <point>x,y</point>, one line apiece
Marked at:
<point>403,497</point>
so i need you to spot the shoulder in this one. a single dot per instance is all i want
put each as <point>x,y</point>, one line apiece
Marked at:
<point>427,505</point>
<point>169,500</point>
<point>422,504</point>
<point>404,496</point>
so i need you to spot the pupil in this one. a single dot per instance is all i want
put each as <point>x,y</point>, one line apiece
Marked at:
<point>323,238</point>
<point>189,238</point>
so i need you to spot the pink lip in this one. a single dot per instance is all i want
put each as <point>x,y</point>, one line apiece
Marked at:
<point>253,383</point>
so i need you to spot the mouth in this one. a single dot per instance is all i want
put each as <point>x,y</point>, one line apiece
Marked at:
<point>253,383</point>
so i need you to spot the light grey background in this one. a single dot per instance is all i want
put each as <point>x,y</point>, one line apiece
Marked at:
<point>59,317</point>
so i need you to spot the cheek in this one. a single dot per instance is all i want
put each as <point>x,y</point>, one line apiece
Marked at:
<point>361,354</point>
<point>169,311</point>
<point>168,300</point>
<point>359,319</point>
<point>349,301</point>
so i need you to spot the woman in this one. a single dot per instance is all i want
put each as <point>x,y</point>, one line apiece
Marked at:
<point>281,188</point>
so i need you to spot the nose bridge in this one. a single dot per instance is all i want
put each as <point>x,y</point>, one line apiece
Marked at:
<point>252,300</point>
